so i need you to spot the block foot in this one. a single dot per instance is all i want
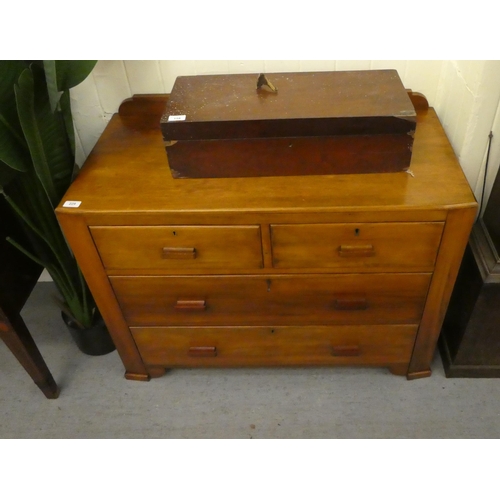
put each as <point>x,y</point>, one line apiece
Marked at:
<point>422,374</point>
<point>140,377</point>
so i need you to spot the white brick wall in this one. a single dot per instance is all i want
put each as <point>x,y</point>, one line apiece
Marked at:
<point>467,102</point>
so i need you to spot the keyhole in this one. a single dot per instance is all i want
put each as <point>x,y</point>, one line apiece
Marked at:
<point>356,232</point>
<point>174,233</point>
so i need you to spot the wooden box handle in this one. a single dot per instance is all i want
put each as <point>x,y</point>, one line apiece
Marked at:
<point>178,253</point>
<point>346,350</point>
<point>351,304</point>
<point>202,352</point>
<point>191,304</point>
<point>356,251</point>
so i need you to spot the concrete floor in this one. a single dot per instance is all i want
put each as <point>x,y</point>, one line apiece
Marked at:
<point>97,402</point>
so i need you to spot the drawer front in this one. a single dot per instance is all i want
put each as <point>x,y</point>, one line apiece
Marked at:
<point>377,345</point>
<point>372,246</point>
<point>178,247</point>
<point>279,300</point>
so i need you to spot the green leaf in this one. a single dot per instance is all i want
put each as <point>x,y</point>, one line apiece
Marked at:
<point>13,148</point>
<point>26,252</point>
<point>72,73</point>
<point>43,128</point>
<point>50,247</point>
<point>51,78</point>
<point>10,71</point>
<point>45,133</point>
<point>7,174</point>
<point>68,119</point>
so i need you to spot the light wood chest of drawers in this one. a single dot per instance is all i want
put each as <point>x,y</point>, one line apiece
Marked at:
<point>314,270</point>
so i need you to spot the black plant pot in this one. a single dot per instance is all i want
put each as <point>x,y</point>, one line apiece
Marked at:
<point>94,341</point>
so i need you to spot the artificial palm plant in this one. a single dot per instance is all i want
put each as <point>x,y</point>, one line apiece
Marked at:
<point>37,165</point>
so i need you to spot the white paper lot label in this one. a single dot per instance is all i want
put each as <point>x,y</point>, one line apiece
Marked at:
<point>176,118</point>
<point>72,204</point>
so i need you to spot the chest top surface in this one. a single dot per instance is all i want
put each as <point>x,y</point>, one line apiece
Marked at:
<point>128,171</point>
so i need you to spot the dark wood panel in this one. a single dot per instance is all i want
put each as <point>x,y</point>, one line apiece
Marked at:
<point>290,156</point>
<point>470,338</point>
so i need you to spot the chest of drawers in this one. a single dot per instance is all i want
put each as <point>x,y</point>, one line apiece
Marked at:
<point>267,271</point>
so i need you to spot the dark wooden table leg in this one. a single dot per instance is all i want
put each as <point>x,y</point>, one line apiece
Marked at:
<point>15,334</point>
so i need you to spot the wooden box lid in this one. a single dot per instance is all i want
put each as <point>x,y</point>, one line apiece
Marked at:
<point>305,104</point>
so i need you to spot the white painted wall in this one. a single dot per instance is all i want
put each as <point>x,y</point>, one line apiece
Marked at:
<point>465,94</point>
<point>467,103</point>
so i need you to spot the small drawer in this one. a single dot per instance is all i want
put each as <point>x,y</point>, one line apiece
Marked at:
<point>369,246</point>
<point>376,345</point>
<point>280,300</point>
<point>175,248</point>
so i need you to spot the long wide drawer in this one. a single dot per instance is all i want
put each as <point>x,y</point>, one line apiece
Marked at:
<point>178,247</point>
<point>392,246</point>
<point>279,300</point>
<point>377,345</point>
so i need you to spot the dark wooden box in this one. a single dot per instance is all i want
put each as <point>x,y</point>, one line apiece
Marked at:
<point>315,123</point>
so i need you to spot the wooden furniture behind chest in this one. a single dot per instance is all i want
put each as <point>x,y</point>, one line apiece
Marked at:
<point>267,271</point>
<point>18,277</point>
<point>470,337</point>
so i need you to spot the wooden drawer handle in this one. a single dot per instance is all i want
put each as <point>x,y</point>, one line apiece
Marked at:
<point>346,350</point>
<point>178,253</point>
<point>356,250</point>
<point>191,304</point>
<point>202,352</point>
<point>351,304</point>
